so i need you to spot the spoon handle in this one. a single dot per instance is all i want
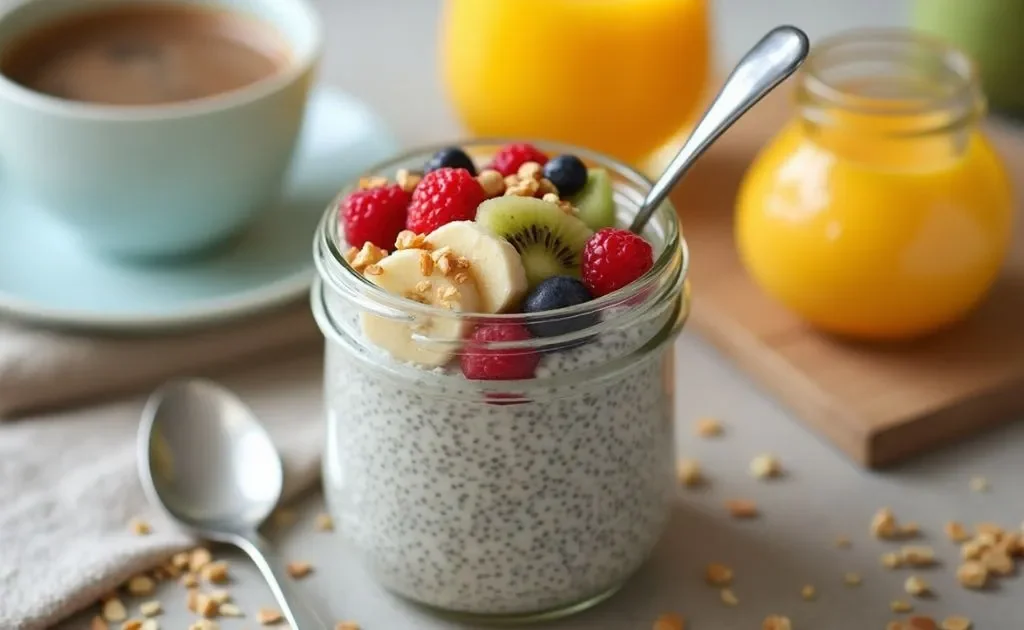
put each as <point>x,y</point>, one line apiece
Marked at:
<point>299,614</point>
<point>765,66</point>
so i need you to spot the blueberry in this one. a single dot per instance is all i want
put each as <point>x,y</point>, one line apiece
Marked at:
<point>558,292</point>
<point>451,157</point>
<point>568,173</point>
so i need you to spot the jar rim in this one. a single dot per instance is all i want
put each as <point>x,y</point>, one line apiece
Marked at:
<point>950,66</point>
<point>332,266</point>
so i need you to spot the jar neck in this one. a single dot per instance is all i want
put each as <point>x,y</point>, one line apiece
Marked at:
<point>890,95</point>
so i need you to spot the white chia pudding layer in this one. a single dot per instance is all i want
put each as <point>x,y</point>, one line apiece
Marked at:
<point>503,509</point>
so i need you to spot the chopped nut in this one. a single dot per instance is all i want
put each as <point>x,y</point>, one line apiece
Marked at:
<point>189,580</point>
<point>366,183</point>
<point>492,182</point>
<point>192,599</point>
<point>843,542</point>
<point>114,611</point>
<point>461,278</point>
<point>956,532</point>
<point>132,624</point>
<point>423,286</point>
<point>765,466</point>
<point>1012,543</point>
<point>987,539</point>
<point>98,623</point>
<point>895,625</point>
<point>892,560</point>
<point>160,573</point>
<point>709,427</point>
<point>669,621</point>
<point>199,558</point>
<point>426,264</point>
<point>347,625</point>
<point>140,527</point>
<point>972,575</point>
<point>979,484</point>
<point>742,508</point>
<point>973,550</point>
<point>299,569</point>
<point>718,574</point>
<point>350,254</point>
<point>407,239</point>
<point>205,606</point>
<point>324,522</point>
<point>511,180</point>
<point>989,529</point>
<point>216,572</point>
<point>918,555</point>
<point>204,624</point>
<point>150,609</point>
<point>916,586</point>
<point>530,170</point>
<point>268,616</point>
<point>547,187</point>
<point>525,187</point>
<point>883,524</point>
<point>228,609</point>
<point>366,257</point>
<point>900,606</point>
<point>997,562</point>
<point>407,180</point>
<point>852,579</point>
<point>180,560</point>
<point>220,596</point>
<point>373,270</point>
<point>728,597</point>
<point>688,473</point>
<point>908,530</point>
<point>921,623</point>
<point>808,592</point>
<point>957,623</point>
<point>550,198</point>
<point>150,624</point>
<point>776,622</point>
<point>141,585</point>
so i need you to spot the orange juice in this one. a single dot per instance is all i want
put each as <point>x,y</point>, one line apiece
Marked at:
<point>619,76</point>
<point>877,217</point>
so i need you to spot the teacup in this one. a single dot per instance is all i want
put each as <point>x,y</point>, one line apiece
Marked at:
<point>142,178</point>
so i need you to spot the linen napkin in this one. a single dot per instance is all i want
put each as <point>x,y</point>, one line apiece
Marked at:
<point>42,368</point>
<point>69,486</point>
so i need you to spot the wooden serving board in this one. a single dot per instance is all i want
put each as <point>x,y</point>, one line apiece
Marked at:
<point>878,404</point>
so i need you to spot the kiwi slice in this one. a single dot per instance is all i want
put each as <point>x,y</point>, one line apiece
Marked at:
<point>595,201</point>
<point>548,240</point>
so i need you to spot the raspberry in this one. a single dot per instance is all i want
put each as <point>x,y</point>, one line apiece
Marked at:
<point>443,196</point>
<point>511,156</point>
<point>484,364</point>
<point>613,258</point>
<point>376,215</point>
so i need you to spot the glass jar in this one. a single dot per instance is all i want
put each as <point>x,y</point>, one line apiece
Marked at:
<point>518,500</point>
<point>881,211</point>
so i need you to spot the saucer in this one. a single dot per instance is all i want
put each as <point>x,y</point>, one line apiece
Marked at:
<point>47,278</point>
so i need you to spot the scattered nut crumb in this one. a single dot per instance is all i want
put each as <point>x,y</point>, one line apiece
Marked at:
<point>852,579</point>
<point>883,524</point>
<point>980,484</point>
<point>843,542</point>
<point>192,599</point>
<point>180,560</point>
<point>132,624</point>
<point>997,562</point>
<point>141,585</point>
<point>956,532</point>
<point>728,597</point>
<point>407,180</point>
<point>220,596</point>
<point>808,592</point>
<point>140,527</point>
<point>204,624</point>
<point>324,522</point>
<point>189,580</point>
<point>909,530</point>
<point>776,622</point>
<point>921,623</point>
<point>365,258</point>
<point>550,198</point>
<point>150,608</point>
<point>205,606</point>
<point>160,574</point>
<point>688,472</point>
<point>407,239</point>
<point>347,625</point>
<point>669,621</point>
<point>900,606</point>
<point>708,427</point>
<point>765,466</point>
<point>992,529</point>
<point>742,508</point>
<point>114,611</point>
<point>199,558</point>
<point>268,616</point>
<point>973,550</point>
<point>891,560</point>
<point>718,574</point>
<point>366,183</point>
<point>972,574</point>
<point>216,572</point>
<point>917,555</point>
<point>299,569</point>
<point>916,586</point>
<point>522,186</point>
<point>373,270</point>
<point>531,170</point>
<point>150,624</point>
<point>98,623</point>
<point>957,623</point>
<point>228,609</point>
<point>547,187</point>
<point>492,182</point>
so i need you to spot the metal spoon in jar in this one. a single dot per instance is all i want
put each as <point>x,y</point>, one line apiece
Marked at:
<point>762,69</point>
<point>205,459</point>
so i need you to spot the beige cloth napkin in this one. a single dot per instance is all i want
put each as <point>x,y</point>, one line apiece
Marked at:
<point>68,481</point>
<point>40,368</point>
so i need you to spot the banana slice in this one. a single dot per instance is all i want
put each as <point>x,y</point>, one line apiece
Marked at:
<point>402,273</point>
<point>495,263</point>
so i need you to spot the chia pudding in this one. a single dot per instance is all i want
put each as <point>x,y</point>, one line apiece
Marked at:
<point>516,495</point>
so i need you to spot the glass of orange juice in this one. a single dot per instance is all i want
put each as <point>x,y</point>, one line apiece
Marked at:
<point>619,76</point>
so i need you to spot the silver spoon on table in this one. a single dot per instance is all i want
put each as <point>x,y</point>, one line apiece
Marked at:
<point>762,69</point>
<point>206,460</point>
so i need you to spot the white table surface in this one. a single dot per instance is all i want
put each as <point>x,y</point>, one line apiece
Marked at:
<point>823,496</point>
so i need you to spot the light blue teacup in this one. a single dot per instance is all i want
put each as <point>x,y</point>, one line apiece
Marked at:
<point>162,180</point>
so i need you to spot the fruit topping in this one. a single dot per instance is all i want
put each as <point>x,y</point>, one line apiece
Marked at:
<point>511,156</point>
<point>443,196</point>
<point>436,278</point>
<point>613,258</point>
<point>594,202</point>
<point>450,157</point>
<point>568,173</point>
<point>501,364</point>
<point>549,240</point>
<point>496,267</point>
<point>554,293</point>
<point>375,215</point>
